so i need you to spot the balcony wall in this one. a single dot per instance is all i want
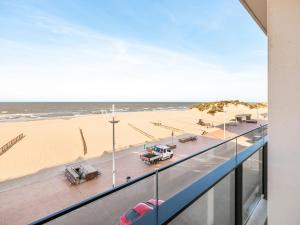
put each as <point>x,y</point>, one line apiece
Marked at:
<point>284,111</point>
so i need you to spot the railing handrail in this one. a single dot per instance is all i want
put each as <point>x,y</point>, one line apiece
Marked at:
<point>209,148</point>
<point>170,209</point>
<point>133,181</point>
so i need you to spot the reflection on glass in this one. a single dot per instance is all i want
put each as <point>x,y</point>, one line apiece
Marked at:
<point>215,207</point>
<point>252,183</point>
<point>180,176</point>
<point>137,198</point>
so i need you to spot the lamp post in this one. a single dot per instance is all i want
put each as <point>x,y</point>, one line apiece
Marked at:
<point>224,131</point>
<point>113,122</point>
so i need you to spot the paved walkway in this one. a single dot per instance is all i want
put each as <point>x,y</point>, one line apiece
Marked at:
<point>29,198</point>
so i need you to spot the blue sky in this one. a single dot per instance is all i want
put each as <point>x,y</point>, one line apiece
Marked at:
<point>130,50</point>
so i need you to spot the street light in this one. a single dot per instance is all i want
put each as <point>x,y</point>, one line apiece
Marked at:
<point>113,121</point>
<point>224,130</point>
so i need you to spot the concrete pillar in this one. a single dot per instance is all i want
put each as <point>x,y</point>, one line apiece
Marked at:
<point>284,112</point>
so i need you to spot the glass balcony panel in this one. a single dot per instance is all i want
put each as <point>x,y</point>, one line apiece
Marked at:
<point>249,139</point>
<point>252,183</point>
<point>216,207</point>
<point>265,131</point>
<point>108,210</point>
<point>180,176</point>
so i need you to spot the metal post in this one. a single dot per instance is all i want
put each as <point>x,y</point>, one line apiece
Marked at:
<point>236,150</point>
<point>265,171</point>
<point>156,190</point>
<point>210,220</point>
<point>113,155</point>
<point>224,132</point>
<point>113,121</point>
<point>239,195</point>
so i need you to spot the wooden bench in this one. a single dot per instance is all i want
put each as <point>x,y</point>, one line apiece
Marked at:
<point>77,174</point>
<point>72,175</point>
<point>187,139</point>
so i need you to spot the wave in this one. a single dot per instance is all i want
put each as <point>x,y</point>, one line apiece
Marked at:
<point>21,112</point>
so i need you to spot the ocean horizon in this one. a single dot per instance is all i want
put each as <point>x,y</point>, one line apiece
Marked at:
<point>27,111</point>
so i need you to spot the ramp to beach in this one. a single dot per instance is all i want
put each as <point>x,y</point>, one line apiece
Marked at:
<point>11,143</point>
<point>142,132</point>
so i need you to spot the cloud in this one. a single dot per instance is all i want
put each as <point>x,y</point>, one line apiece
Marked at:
<point>84,65</point>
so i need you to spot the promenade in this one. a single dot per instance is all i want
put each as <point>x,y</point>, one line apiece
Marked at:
<point>26,199</point>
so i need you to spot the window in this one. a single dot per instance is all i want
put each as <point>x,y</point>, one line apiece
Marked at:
<point>132,215</point>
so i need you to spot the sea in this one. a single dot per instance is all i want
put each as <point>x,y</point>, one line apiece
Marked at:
<point>27,111</point>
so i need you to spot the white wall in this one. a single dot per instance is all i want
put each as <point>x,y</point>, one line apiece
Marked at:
<point>284,112</point>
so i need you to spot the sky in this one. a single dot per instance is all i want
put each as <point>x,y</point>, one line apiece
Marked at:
<point>130,50</point>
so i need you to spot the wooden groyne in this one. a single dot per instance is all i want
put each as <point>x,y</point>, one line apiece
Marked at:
<point>83,142</point>
<point>167,127</point>
<point>142,132</point>
<point>11,143</point>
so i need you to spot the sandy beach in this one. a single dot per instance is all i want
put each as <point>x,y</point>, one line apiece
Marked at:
<point>53,142</point>
<point>50,144</point>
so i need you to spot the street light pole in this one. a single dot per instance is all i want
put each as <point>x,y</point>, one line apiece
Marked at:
<point>224,132</point>
<point>113,121</point>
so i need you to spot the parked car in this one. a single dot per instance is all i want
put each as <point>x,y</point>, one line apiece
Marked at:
<point>138,211</point>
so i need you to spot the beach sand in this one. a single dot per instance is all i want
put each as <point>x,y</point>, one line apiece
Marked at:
<point>53,142</point>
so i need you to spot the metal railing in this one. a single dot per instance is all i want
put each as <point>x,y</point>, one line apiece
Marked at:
<point>179,185</point>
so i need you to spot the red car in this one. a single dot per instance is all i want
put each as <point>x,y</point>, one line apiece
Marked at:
<point>138,211</point>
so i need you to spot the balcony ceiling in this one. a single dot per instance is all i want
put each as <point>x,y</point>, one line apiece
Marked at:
<point>258,10</point>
